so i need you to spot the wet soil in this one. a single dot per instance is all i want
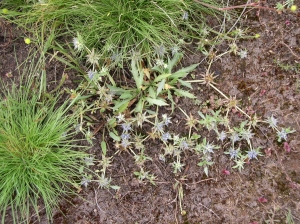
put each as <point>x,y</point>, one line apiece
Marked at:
<point>262,84</point>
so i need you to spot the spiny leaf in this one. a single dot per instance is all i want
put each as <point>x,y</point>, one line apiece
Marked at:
<point>162,76</point>
<point>160,86</point>
<point>158,102</point>
<point>181,92</point>
<point>184,71</point>
<point>174,61</point>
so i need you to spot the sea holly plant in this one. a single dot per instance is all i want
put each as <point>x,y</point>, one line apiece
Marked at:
<point>204,150</point>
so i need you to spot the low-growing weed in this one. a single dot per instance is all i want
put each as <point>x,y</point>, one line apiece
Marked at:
<point>129,107</point>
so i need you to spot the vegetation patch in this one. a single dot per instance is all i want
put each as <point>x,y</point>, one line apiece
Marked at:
<point>38,156</point>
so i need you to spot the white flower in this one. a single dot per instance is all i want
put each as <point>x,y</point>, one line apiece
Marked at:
<point>78,43</point>
<point>91,74</point>
<point>85,181</point>
<point>160,62</point>
<point>222,136</point>
<point>272,121</point>
<point>243,53</point>
<point>175,50</point>
<point>120,118</point>
<point>93,57</point>
<point>185,15</point>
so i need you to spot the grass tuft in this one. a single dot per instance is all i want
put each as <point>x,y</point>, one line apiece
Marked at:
<point>37,161</point>
<point>118,28</point>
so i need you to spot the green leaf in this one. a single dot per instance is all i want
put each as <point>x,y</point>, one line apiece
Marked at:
<point>170,97</point>
<point>118,104</point>
<point>151,92</point>
<point>206,170</point>
<point>162,76</point>
<point>195,136</point>
<point>184,93</point>
<point>81,169</point>
<point>160,86</point>
<point>201,115</point>
<point>117,90</point>
<point>123,107</point>
<point>126,95</point>
<point>183,72</point>
<point>186,84</point>
<point>139,106</point>
<point>158,102</point>
<point>157,69</point>
<point>103,147</point>
<point>137,74</point>
<point>115,187</point>
<point>114,136</point>
<point>174,61</point>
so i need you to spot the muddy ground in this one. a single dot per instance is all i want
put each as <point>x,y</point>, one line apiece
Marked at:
<point>264,192</point>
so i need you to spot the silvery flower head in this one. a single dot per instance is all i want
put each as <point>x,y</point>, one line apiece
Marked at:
<point>159,127</point>
<point>78,43</point>
<point>222,136</point>
<point>183,145</point>
<point>175,50</point>
<point>120,117</point>
<point>161,157</point>
<point>93,57</point>
<point>125,136</point>
<point>89,160</point>
<point>85,181</point>
<point>233,153</point>
<point>126,127</point>
<point>125,143</point>
<point>185,15</point>
<point>252,154</point>
<point>160,50</point>
<point>104,182</point>
<point>165,136</point>
<point>115,57</point>
<point>272,121</point>
<point>166,119</point>
<point>109,97</point>
<point>91,74</point>
<point>235,137</point>
<point>247,135</point>
<point>160,62</point>
<point>282,135</point>
<point>243,54</point>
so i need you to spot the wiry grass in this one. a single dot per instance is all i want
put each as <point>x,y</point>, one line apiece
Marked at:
<point>118,28</point>
<point>37,161</point>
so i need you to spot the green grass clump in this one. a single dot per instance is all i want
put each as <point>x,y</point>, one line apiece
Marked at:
<point>37,160</point>
<point>118,28</point>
